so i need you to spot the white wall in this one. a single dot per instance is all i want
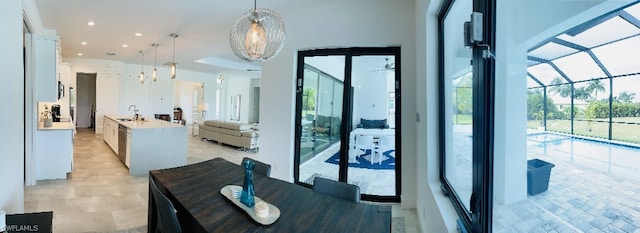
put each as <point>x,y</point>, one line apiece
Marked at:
<point>231,84</point>
<point>65,77</point>
<point>370,95</point>
<point>149,97</point>
<point>183,98</point>
<point>383,23</point>
<point>183,93</point>
<point>12,125</point>
<point>118,87</point>
<point>435,212</point>
<point>108,75</point>
<point>254,109</point>
<point>237,86</point>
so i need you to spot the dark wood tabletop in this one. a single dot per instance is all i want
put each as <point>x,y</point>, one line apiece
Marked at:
<point>195,191</point>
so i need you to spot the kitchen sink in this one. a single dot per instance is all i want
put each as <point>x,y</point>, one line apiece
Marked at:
<point>125,119</point>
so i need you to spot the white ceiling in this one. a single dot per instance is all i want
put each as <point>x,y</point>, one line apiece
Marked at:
<point>203,27</point>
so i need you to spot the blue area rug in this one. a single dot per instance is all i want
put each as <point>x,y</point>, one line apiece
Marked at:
<point>364,160</point>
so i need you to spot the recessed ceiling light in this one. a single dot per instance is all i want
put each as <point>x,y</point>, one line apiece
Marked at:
<point>80,54</point>
<point>138,34</point>
<point>125,45</point>
<point>111,53</point>
<point>91,23</point>
<point>83,43</point>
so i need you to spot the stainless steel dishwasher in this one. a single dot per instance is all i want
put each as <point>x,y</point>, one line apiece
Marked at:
<point>122,143</point>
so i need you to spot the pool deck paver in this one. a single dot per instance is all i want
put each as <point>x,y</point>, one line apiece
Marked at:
<point>579,199</point>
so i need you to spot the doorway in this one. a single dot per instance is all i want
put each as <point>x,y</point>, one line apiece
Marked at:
<point>347,127</point>
<point>189,99</point>
<point>197,102</point>
<point>86,100</point>
<point>29,170</point>
<point>255,105</point>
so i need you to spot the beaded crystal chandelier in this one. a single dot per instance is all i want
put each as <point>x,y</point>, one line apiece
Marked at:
<point>258,35</point>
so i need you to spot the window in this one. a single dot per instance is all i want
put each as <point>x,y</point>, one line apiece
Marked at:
<point>466,114</point>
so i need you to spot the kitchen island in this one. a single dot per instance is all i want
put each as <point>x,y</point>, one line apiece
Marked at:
<point>146,145</point>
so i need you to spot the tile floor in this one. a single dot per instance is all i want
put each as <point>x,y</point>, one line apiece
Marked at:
<point>100,196</point>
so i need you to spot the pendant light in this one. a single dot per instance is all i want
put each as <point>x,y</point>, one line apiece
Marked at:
<point>258,35</point>
<point>142,68</point>
<point>173,63</point>
<point>155,62</point>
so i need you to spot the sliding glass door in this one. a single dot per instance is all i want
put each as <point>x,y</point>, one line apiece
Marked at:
<point>372,147</point>
<point>346,119</point>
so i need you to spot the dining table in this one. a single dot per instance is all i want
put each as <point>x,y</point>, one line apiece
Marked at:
<point>194,190</point>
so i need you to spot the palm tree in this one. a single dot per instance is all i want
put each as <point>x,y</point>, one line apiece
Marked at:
<point>626,97</point>
<point>558,87</point>
<point>582,93</point>
<point>595,86</point>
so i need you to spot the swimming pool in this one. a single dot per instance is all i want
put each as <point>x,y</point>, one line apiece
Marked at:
<point>611,158</point>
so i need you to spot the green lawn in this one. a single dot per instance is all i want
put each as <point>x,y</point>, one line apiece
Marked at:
<point>620,132</point>
<point>461,119</point>
<point>534,124</point>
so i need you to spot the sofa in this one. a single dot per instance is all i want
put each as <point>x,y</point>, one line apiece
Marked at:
<point>231,133</point>
<point>373,124</point>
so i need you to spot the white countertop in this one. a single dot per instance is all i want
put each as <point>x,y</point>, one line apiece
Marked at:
<point>57,126</point>
<point>148,123</point>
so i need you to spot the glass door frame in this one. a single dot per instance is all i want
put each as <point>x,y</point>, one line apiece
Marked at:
<point>347,112</point>
<point>479,217</point>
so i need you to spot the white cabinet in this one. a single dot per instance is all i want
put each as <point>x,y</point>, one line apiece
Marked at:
<point>114,136</point>
<point>54,150</point>
<point>110,134</point>
<point>46,59</point>
<point>106,135</point>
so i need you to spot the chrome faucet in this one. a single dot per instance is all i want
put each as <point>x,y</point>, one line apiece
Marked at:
<point>135,111</point>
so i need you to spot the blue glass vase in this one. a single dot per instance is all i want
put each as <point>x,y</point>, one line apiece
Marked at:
<point>247,187</point>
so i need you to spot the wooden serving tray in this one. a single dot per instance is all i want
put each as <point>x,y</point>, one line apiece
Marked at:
<point>274,212</point>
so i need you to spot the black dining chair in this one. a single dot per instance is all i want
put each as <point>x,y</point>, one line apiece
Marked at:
<point>167,218</point>
<point>262,168</point>
<point>337,189</point>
